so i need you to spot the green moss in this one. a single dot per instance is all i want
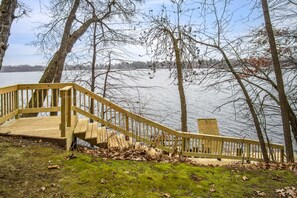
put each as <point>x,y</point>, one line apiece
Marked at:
<point>23,171</point>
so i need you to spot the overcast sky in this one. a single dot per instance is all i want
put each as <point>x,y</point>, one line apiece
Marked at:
<point>24,32</point>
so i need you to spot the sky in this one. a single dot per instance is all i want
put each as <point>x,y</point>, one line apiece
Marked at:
<point>24,31</point>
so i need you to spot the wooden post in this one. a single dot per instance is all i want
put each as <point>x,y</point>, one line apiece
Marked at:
<point>63,113</point>
<point>66,103</point>
<point>16,102</point>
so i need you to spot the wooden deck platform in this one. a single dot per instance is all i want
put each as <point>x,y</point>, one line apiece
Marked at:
<point>38,127</point>
<point>48,129</point>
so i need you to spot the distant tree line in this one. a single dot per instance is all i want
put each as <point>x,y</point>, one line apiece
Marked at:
<point>211,63</point>
<point>23,68</point>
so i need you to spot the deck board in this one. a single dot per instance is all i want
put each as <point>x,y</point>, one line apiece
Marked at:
<point>43,127</point>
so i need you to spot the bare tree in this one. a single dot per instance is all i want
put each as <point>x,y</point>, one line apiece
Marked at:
<point>280,83</point>
<point>166,41</point>
<point>75,25</point>
<point>7,15</point>
<point>215,41</point>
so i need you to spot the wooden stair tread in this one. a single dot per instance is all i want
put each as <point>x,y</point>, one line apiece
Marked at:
<point>101,135</point>
<point>81,126</point>
<point>92,131</point>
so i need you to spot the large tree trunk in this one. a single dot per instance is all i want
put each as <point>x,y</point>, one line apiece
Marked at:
<point>280,84</point>
<point>7,9</point>
<point>182,97</point>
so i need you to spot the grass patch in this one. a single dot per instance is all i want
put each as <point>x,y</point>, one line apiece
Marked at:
<point>24,173</point>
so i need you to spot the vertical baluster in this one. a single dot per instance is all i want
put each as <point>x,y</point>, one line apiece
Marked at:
<point>119,119</point>
<point>110,115</point>
<point>90,103</point>
<point>1,106</point>
<point>84,102</point>
<point>46,92</point>
<point>37,98</point>
<point>74,100</point>
<point>27,95</point>
<point>33,98</point>
<point>42,95</point>
<point>98,111</point>
<point>8,103</point>
<point>115,117</point>
<point>57,97</point>
<point>5,103</point>
<point>52,98</point>
<point>16,102</point>
<point>22,99</point>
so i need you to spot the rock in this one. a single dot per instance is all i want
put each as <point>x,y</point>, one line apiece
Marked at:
<point>42,189</point>
<point>53,167</point>
<point>103,181</point>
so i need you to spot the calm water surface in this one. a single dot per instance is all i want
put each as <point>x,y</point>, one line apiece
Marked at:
<point>162,100</point>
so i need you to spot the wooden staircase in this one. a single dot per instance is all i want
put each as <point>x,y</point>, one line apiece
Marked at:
<point>99,136</point>
<point>71,101</point>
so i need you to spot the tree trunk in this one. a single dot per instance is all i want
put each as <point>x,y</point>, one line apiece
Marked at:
<point>280,84</point>
<point>7,9</point>
<point>251,108</point>
<point>182,97</point>
<point>93,69</point>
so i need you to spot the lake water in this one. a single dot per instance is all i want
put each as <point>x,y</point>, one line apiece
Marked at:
<point>162,102</point>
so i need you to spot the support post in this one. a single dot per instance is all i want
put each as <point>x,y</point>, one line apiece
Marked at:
<point>66,103</point>
<point>69,104</point>
<point>63,113</point>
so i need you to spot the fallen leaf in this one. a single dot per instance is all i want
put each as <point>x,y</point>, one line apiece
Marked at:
<point>103,181</point>
<point>244,178</point>
<point>259,193</point>
<point>167,195</point>
<point>71,156</point>
<point>212,189</point>
<point>289,191</point>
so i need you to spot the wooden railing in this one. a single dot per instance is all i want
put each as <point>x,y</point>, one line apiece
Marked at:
<point>8,102</point>
<point>69,99</point>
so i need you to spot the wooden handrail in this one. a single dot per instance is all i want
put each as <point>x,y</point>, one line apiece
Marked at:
<point>187,143</point>
<point>15,100</point>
